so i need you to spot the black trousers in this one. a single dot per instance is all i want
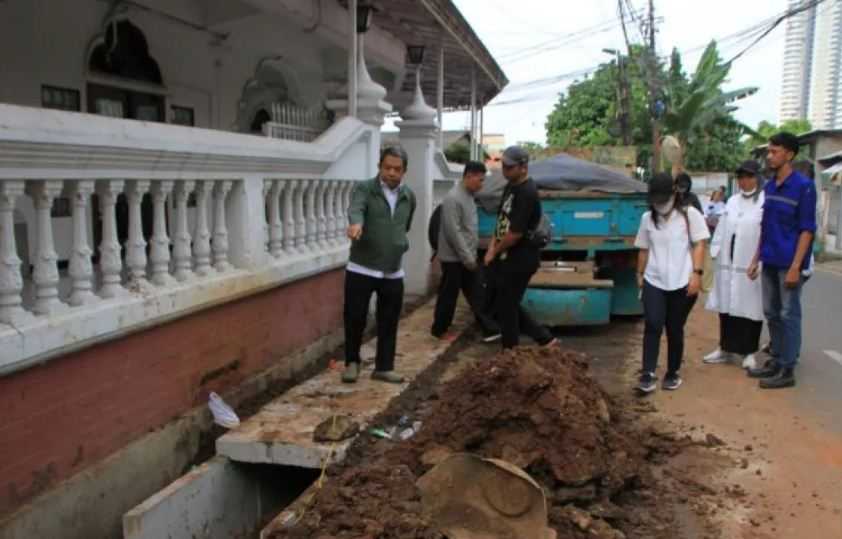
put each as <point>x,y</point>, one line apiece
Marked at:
<point>662,309</point>
<point>510,285</point>
<point>358,291</point>
<point>739,335</point>
<point>455,277</point>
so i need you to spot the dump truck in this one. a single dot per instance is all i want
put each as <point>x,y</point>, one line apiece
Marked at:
<point>588,270</point>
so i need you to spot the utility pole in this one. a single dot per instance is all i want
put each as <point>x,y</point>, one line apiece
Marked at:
<point>622,96</point>
<point>654,91</point>
<point>624,100</point>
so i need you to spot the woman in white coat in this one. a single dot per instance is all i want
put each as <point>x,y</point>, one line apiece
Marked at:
<point>735,297</point>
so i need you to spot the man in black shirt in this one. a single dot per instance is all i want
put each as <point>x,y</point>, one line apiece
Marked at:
<point>511,256</point>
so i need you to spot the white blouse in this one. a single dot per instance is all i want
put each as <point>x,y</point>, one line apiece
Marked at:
<point>670,262</point>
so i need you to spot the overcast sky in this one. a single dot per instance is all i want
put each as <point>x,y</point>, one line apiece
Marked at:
<point>507,26</point>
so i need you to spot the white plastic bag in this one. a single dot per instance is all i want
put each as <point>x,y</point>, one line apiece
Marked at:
<point>223,415</point>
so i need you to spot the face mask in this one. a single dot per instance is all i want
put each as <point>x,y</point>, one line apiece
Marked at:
<point>665,208</point>
<point>749,193</point>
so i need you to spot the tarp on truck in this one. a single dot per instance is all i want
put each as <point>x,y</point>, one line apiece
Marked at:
<point>562,172</point>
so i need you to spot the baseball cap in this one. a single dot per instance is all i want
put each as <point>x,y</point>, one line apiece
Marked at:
<point>514,155</point>
<point>661,188</point>
<point>748,167</point>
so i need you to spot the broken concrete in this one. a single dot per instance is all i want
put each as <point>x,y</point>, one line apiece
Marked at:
<point>282,432</point>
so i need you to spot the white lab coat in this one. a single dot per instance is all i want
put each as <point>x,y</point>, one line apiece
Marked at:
<point>733,292</point>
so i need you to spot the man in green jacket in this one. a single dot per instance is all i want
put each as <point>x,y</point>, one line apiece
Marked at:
<point>379,218</point>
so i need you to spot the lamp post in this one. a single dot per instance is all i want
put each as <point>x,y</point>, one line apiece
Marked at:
<point>415,56</point>
<point>360,19</point>
<point>622,95</point>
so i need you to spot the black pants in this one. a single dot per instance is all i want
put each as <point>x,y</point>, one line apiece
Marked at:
<point>358,291</point>
<point>739,335</point>
<point>662,309</point>
<point>509,287</point>
<point>455,277</point>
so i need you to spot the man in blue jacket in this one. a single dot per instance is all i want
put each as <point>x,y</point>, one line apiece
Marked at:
<point>786,240</point>
<point>379,217</point>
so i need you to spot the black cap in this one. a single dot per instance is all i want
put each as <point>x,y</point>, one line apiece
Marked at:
<point>785,140</point>
<point>661,188</point>
<point>514,155</point>
<point>748,168</point>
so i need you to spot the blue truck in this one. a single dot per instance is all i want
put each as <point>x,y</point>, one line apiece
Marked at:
<point>588,270</point>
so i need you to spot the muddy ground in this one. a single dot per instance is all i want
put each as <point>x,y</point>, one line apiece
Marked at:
<point>604,466</point>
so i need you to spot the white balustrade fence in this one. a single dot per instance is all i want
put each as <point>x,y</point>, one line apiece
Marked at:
<point>291,122</point>
<point>305,217</point>
<point>108,226</point>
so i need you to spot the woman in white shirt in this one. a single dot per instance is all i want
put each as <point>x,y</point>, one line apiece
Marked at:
<point>735,297</point>
<point>671,240</point>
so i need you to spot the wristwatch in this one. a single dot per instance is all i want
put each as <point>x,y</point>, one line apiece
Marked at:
<point>699,271</point>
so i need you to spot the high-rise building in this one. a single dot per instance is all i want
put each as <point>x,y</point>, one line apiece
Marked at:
<point>812,72</point>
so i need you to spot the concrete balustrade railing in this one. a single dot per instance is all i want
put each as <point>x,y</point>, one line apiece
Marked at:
<point>163,220</point>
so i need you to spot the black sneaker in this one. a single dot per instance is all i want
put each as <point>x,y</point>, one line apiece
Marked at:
<point>648,383</point>
<point>671,381</point>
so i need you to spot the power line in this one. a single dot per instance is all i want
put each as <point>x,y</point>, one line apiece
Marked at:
<point>557,42</point>
<point>790,13</point>
<point>756,32</point>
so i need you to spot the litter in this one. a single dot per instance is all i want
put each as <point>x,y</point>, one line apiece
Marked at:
<point>223,414</point>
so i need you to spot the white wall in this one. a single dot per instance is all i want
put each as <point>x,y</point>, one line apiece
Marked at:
<point>48,41</point>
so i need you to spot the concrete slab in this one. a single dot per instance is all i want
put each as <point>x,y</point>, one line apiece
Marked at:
<point>214,500</point>
<point>282,432</point>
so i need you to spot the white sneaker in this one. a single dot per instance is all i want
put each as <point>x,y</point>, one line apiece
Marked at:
<point>749,362</point>
<point>717,356</point>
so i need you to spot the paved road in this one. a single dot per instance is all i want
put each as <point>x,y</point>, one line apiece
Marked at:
<point>820,372</point>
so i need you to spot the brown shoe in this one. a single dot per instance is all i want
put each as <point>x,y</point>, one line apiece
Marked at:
<point>390,377</point>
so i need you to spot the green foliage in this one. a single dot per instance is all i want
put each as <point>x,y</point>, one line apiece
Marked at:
<point>766,129</point>
<point>460,152</point>
<point>698,112</point>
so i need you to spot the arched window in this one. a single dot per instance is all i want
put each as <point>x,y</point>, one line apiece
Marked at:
<point>125,53</point>
<point>260,118</point>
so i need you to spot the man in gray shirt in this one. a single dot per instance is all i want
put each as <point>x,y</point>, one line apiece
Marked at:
<point>458,240</point>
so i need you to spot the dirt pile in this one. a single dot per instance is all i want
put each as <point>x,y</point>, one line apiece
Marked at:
<point>534,408</point>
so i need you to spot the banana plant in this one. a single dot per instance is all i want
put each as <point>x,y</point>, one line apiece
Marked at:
<point>702,103</point>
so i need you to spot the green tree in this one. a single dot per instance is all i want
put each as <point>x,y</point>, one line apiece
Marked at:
<point>460,152</point>
<point>699,113</point>
<point>765,129</point>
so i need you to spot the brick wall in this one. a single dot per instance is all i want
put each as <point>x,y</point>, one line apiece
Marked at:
<point>60,418</point>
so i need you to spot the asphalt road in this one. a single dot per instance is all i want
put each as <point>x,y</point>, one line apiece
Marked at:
<point>819,375</point>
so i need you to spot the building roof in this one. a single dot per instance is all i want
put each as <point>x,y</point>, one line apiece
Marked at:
<point>435,24</point>
<point>804,138</point>
<point>831,159</point>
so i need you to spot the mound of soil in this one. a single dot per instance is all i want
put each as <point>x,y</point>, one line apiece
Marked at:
<point>538,409</point>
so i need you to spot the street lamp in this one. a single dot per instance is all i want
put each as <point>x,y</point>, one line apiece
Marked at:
<point>415,54</point>
<point>364,12</point>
